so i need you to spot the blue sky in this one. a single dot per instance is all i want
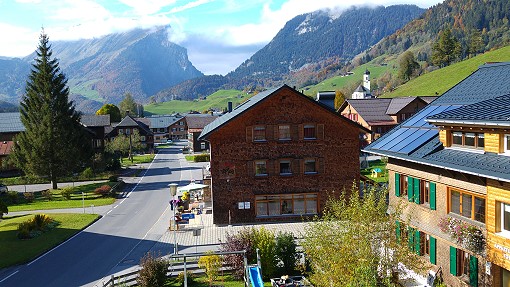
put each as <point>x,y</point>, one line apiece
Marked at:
<point>219,34</point>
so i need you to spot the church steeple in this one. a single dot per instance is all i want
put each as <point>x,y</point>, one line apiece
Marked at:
<point>366,80</point>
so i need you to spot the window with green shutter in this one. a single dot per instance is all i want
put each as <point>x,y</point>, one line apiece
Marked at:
<point>473,271</point>
<point>397,184</point>
<point>410,238</point>
<point>417,248</point>
<point>432,250</point>
<point>416,187</point>
<point>410,189</point>
<point>453,260</point>
<point>432,196</point>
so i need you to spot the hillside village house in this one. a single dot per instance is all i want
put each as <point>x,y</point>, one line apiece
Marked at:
<point>381,115</point>
<point>128,125</point>
<point>196,123</point>
<point>97,125</point>
<point>450,165</point>
<point>160,127</point>
<point>10,126</point>
<point>279,156</point>
<point>178,129</point>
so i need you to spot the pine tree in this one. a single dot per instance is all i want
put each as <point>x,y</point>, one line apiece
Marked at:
<point>446,49</point>
<point>128,105</point>
<point>54,143</point>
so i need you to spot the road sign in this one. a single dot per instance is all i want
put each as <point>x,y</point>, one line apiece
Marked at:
<point>188,216</point>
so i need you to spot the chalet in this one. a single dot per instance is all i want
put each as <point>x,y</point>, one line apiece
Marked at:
<point>128,125</point>
<point>381,115</point>
<point>279,156</point>
<point>98,127</point>
<point>449,167</point>
<point>160,126</point>
<point>178,129</point>
<point>10,126</point>
<point>195,124</point>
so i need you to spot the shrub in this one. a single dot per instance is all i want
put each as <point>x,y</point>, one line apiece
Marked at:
<point>66,192</point>
<point>264,240</point>
<point>202,157</point>
<point>285,251</point>
<point>242,240</point>
<point>3,209</point>
<point>35,226</point>
<point>113,178</point>
<point>190,277</point>
<point>103,190</point>
<point>41,222</point>
<point>87,173</point>
<point>13,196</point>
<point>47,194</point>
<point>24,230</point>
<point>212,264</point>
<point>29,196</point>
<point>153,272</point>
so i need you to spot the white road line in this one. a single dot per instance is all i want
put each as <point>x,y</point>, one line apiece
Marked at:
<point>9,276</point>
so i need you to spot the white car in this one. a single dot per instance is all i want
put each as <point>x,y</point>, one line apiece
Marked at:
<point>3,188</point>
<point>169,141</point>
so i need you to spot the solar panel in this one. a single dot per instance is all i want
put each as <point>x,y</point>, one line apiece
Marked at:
<point>397,140</point>
<point>413,135</point>
<point>418,119</point>
<point>424,138</point>
<point>383,141</point>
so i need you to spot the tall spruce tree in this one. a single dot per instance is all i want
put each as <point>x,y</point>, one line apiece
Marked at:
<point>54,143</point>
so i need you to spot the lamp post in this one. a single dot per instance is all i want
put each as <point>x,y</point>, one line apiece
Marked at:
<point>173,192</point>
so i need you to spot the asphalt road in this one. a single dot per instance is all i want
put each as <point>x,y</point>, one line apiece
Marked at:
<point>114,243</point>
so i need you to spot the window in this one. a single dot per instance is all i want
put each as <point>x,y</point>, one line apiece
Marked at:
<point>260,167</point>
<point>467,205</point>
<point>259,133</point>
<point>424,192</point>
<point>462,262</point>
<point>424,244</point>
<point>506,140</point>
<point>181,123</point>
<point>285,168</point>
<point>142,138</point>
<point>309,132</point>
<point>121,131</point>
<point>286,204</point>
<point>174,129</point>
<point>417,190</point>
<point>503,224</point>
<point>353,117</point>
<point>468,140</point>
<point>284,132</point>
<point>128,131</point>
<point>310,167</point>
<point>181,129</point>
<point>202,145</point>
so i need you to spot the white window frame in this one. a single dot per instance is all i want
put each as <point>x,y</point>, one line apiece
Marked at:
<point>503,232</point>
<point>506,148</point>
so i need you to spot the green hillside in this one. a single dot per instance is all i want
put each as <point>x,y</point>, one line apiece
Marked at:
<point>337,82</point>
<point>218,101</point>
<point>439,81</point>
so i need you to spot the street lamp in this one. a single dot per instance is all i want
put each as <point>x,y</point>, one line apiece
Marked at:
<point>173,202</point>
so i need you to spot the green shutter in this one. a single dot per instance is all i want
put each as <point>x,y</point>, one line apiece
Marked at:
<point>453,260</point>
<point>410,238</point>
<point>432,188</point>
<point>432,250</point>
<point>473,271</point>
<point>416,187</point>
<point>417,242</point>
<point>397,231</point>
<point>397,184</point>
<point>410,190</point>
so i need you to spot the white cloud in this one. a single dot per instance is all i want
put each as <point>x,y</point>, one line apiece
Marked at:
<point>189,5</point>
<point>80,11</point>
<point>28,1</point>
<point>147,7</point>
<point>17,41</point>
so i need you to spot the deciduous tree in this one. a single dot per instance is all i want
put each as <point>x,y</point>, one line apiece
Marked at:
<point>339,99</point>
<point>112,110</point>
<point>54,143</point>
<point>407,66</point>
<point>355,243</point>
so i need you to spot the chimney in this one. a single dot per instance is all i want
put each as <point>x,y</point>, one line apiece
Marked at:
<point>229,107</point>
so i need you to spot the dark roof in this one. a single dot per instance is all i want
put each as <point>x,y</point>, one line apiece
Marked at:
<point>489,112</point>
<point>361,89</point>
<point>367,72</point>
<point>398,104</point>
<point>372,110</point>
<point>416,140</point>
<point>95,120</point>
<point>128,122</point>
<point>11,122</point>
<point>428,99</point>
<point>256,100</point>
<point>157,122</point>
<point>199,121</point>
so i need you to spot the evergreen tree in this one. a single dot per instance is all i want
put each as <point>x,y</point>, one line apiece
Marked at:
<point>128,104</point>
<point>112,110</point>
<point>446,49</point>
<point>407,66</point>
<point>54,143</point>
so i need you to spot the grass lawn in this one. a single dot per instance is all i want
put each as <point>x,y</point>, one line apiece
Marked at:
<point>58,201</point>
<point>15,251</point>
<point>376,164</point>
<point>145,158</point>
<point>226,281</point>
<point>19,180</point>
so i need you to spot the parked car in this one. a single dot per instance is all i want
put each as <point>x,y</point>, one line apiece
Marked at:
<point>3,188</point>
<point>169,141</point>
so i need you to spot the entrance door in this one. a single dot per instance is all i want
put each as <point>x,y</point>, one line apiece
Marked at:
<point>506,278</point>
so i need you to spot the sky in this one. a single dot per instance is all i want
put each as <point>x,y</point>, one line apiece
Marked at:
<point>218,34</point>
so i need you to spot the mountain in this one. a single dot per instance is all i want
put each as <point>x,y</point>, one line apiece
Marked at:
<point>305,40</point>
<point>317,36</point>
<point>140,62</point>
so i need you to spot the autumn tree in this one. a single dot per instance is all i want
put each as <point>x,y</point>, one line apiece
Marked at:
<point>446,49</point>
<point>339,99</point>
<point>212,264</point>
<point>407,66</point>
<point>112,110</point>
<point>54,143</point>
<point>356,242</point>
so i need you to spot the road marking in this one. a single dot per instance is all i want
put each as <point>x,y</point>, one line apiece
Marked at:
<point>9,276</point>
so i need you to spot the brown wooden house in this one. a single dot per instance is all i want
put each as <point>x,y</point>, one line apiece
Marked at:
<point>278,156</point>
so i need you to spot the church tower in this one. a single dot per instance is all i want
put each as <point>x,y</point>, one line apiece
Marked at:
<point>366,80</point>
